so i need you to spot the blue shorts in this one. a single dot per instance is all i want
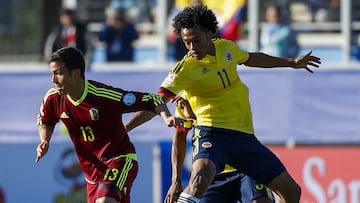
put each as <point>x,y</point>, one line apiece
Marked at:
<point>234,187</point>
<point>240,150</point>
<point>252,190</point>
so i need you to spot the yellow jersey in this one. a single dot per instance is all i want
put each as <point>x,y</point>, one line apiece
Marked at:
<point>218,96</point>
<point>180,114</point>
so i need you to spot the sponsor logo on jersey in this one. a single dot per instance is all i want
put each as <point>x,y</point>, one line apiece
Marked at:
<point>129,99</point>
<point>206,144</point>
<point>64,115</point>
<point>229,56</point>
<point>94,114</point>
<point>169,80</point>
<point>205,70</point>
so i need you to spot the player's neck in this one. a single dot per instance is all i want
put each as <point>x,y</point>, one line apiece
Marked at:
<point>77,90</point>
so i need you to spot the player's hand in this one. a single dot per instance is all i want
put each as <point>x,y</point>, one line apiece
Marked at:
<point>173,121</point>
<point>185,106</point>
<point>41,150</point>
<point>306,61</point>
<point>173,193</point>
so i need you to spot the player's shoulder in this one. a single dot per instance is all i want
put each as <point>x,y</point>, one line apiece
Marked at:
<point>96,85</point>
<point>187,60</point>
<point>102,90</point>
<point>51,93</point>
<point>219,42</point>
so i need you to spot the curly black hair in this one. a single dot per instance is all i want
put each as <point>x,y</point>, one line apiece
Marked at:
<point>193,16</point>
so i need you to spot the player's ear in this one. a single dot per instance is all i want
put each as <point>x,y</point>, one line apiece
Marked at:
<point>76,72</point>
<point>210,34</point>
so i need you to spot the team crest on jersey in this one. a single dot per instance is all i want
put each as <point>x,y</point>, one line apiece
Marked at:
<point>169,80</point>
<point>229,56</point>
<point>94,114</point>
<point>206,144</point>
<point>129,99</point>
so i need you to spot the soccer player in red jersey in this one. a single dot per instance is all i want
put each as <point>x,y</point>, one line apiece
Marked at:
<point>92,113</point>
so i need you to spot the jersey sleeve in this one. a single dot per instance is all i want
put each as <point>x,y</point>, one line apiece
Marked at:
<point>136,101</point>
<point>241,56</point>
<point>47,115</point>
<point>178,79</point>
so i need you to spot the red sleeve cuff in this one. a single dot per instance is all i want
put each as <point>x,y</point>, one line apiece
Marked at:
<point>182,129</point>
<point>166,92</point>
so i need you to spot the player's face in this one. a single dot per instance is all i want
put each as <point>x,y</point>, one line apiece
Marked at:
<point>64,80</point>
<point>197,41</point>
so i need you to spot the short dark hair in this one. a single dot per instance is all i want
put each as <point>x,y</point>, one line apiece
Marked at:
<point>71,58</point>
<point>67,11</point>
<point>193,16</point>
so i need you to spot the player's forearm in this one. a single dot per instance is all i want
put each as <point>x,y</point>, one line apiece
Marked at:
<point>45,133</point>
<point>262,60</point>
<point>163,111</point>
<point>178,153</point>
<point>139,118</point>
<point>165,114</point>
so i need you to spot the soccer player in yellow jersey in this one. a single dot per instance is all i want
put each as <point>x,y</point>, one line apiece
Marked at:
<point>224,132</point>
<point>228,186</point>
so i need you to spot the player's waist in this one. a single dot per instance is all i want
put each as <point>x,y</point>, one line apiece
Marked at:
<point>239,124</point>
<point>95,174</point>
<point>227,128</point>
<point>132,156</point>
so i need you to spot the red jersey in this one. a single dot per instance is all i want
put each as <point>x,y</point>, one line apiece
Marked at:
<point>94,122</point>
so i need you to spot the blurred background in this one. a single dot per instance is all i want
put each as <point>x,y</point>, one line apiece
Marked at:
<point>312,121</point>
<point>329,27</point>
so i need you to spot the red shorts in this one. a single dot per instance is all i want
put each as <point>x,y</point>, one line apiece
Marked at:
<point>116,182</point>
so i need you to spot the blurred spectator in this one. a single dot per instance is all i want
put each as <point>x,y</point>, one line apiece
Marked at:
<point>70,32</point>
<point>325,10</point>
<point>277,37</point>
<point>119,35</point>
<point>139,11</point>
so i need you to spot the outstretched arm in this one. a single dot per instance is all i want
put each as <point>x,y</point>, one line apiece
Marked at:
<point>262,60</point>
<point>178,152</point>
<point>142,117</point>
<point>165,114</point>
<point>139,118</point>
<point>45,133</point>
